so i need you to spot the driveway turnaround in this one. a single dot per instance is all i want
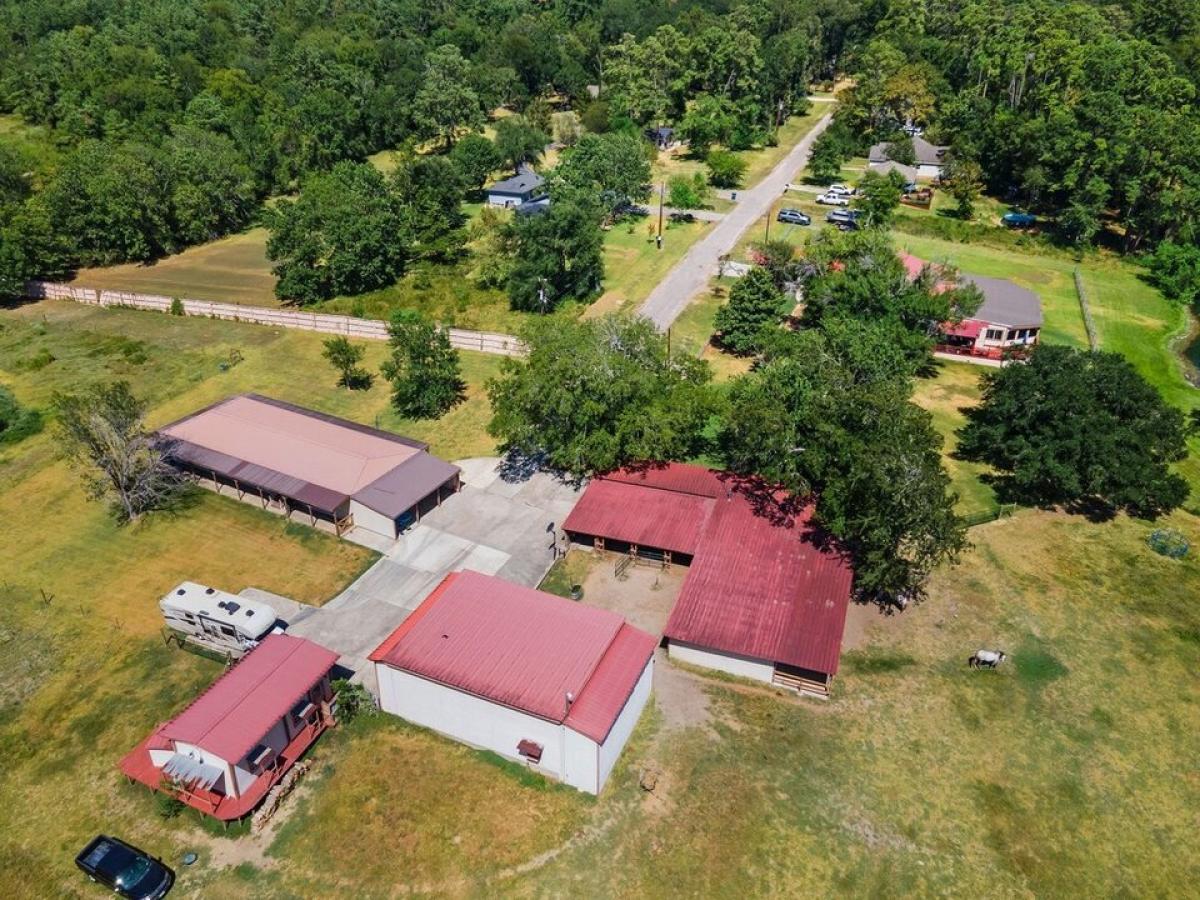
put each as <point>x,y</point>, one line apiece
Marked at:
<point>692,273</point>
<point>496,524</point>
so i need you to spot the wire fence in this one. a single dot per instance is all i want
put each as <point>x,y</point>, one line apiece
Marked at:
<point>324,323</point>
<point>999,511</point>
<point>1088,322</point>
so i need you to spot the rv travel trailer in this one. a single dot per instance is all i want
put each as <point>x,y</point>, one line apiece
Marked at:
<point>217,620</point>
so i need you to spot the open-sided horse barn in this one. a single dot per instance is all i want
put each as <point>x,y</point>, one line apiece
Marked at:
<point>767,592</point>
<point>295,460</point>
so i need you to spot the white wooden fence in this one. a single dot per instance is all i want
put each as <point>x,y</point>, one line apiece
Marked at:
<point>326,323</point>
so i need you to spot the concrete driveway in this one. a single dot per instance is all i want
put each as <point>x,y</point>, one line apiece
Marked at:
<point>499,524</point>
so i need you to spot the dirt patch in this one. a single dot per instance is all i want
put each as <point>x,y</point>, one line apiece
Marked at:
<point>643,594</point>
<point>681,698</point>
<point>860,618</point>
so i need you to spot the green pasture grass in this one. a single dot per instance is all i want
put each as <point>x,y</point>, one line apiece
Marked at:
<point>954,388</point>
<point>633,264</point>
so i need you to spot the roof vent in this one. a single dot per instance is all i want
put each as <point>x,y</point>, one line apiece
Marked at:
<point>231,607</point>
<point>210,590</point>
<point>220,604</point>
<point>180,592</point>
<point>249,612</point>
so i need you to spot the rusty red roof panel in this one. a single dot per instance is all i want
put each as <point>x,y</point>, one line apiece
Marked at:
<point>241,706</point>
<point>647,517</point>
<point>515,646</point>
<point>609,688</point>
<point>764,581</point>
<point>682,478</point>
<point>765,585</point>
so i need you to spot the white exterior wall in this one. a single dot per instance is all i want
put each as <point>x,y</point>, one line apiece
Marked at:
<point>209,759</point>
<point>925,170</point>
<point>371,520</point>
<point>610,750</point>
<point>724,662</point>
<point>503,200</point>
<point>566,755</point>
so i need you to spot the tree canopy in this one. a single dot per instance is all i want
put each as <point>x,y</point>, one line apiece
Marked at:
<point>423,368</point>
<point>558,254</point>
<point>594,394</point>
<point>1074,427</point>
<point>755,303</point>
<point>346,234</point>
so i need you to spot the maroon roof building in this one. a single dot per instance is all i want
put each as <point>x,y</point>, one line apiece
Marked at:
<point>767,592</point>
<point>525,674</point>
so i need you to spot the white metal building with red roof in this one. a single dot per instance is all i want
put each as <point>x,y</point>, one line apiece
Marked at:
<point>530,676</point>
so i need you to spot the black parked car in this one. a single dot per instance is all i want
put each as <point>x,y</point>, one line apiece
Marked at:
<point>125,869</point>
<point>793,217</point>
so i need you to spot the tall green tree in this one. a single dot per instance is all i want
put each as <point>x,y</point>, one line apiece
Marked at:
<point>423,368</point>
<point>825,417</point>
<point>1074,427</point>
<point>429,190</point>
<point>614,166</point>
<point>518,142</point>
<point>878,198</point>
<point>755,304</point>
<point>595,394</point>
<point>476,158</point>
<point>345,234</point>
<point>445,103</point>
<point>559,254</point>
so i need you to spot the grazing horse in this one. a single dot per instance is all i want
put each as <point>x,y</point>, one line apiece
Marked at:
<point>986,659</point>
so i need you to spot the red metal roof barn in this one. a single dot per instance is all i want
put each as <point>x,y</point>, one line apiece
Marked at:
<point>525,674</point>
<point>767,593</point>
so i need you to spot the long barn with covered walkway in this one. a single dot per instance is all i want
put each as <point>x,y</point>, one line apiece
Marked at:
<point>767,591</point>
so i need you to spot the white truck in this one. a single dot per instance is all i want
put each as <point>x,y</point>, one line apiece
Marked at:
<point>213,619</point>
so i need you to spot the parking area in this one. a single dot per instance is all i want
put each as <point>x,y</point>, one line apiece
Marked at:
<point>499,523</point>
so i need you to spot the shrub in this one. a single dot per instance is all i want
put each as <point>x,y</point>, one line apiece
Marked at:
<point>1175,270</point>
<point>176,307</point>
<point>16,422</point>
<point>687,193</point>
<point>168,805</point>
<point>725,169</point>
<point>353,701</point>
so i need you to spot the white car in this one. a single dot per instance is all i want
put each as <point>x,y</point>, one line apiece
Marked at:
<point>828,199</point>
<point>841,190</point>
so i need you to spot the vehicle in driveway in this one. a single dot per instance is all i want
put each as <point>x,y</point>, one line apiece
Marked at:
<point>844,219</point>
<point>828,199</point>
<point>124,869</point>
<point>842,190</point>
<point>1018,219</point>
<point>793,217</point>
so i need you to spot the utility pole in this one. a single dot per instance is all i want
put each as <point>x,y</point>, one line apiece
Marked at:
<point>662,185</point>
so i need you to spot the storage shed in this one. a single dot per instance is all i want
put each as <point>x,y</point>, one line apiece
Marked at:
<point>296,460</point>
<point>236,740</point>
<point>530,676</point>
<point>767,591</point>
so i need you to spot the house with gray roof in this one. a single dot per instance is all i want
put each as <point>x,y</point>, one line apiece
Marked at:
<point>525,186</point>
<point>930,159</point>
<point>1009,318</point>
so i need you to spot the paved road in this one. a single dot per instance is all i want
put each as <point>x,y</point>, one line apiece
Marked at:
<point>692,273</point>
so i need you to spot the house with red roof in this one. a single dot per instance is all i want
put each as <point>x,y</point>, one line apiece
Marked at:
<point>766,593</point>
<point>236,741</point>
<point>530,676</point>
